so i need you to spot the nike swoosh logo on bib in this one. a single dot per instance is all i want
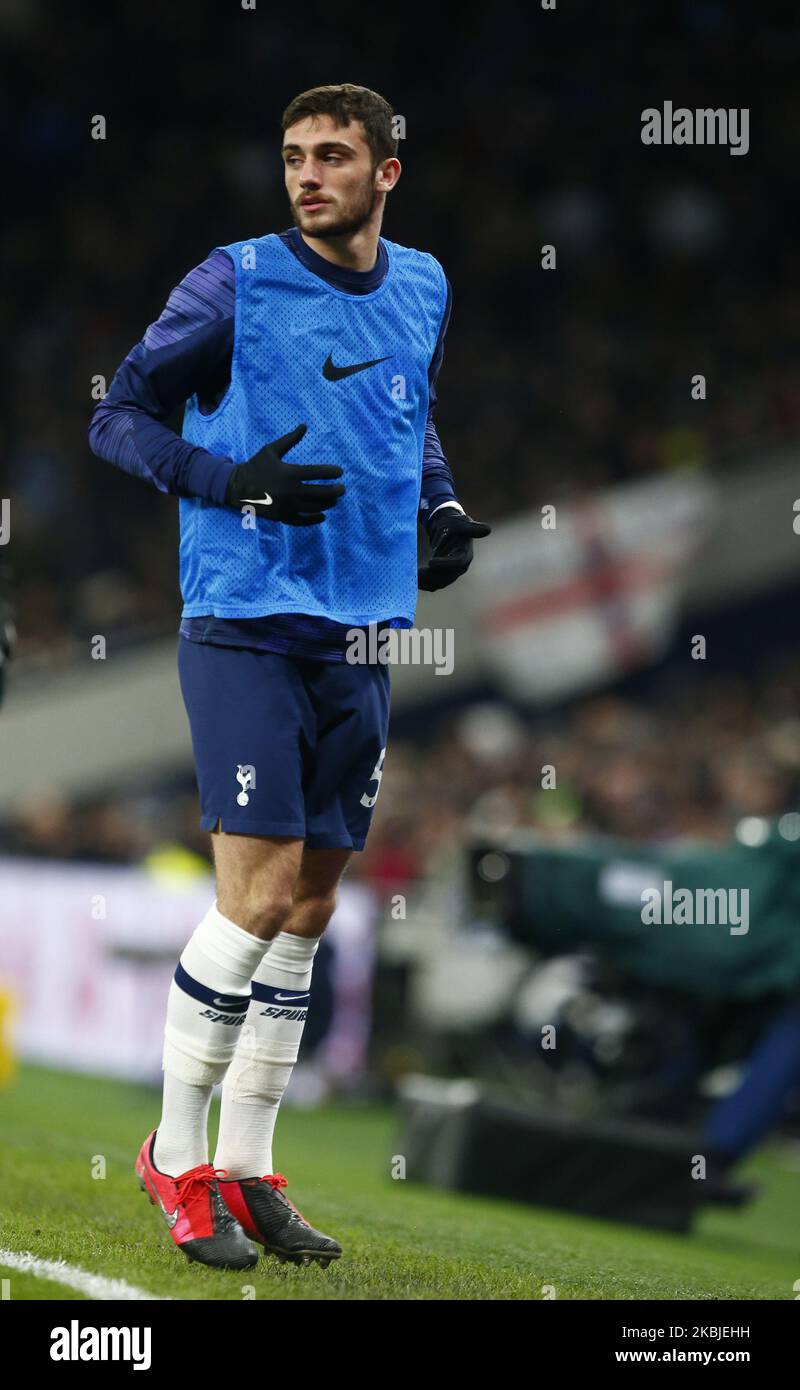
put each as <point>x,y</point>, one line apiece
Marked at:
<point>332,373</point>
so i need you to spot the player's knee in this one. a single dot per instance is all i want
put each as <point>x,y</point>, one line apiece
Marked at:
<point>262,911</point>
<point>271,910</point>
<point>316,910</point>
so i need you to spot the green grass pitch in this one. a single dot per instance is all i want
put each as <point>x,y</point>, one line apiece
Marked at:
<point>400,1241</point>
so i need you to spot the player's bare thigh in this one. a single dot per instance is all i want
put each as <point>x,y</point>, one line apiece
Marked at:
<point>268,883</point>
<point>256,878</point>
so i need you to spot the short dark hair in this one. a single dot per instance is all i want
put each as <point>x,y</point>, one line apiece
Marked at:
<point>345,103</point>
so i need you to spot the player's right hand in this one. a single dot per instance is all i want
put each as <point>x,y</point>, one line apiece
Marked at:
<point>293,493</point>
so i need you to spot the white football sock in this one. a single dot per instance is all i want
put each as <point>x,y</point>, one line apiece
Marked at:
<point>206,1010</point>
<point>182,1135</point>
<point>265,1054</point>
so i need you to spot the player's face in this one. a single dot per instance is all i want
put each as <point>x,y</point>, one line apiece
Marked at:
<point>329,177</point>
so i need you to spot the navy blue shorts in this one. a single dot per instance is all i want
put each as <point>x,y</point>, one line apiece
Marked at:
<point>285,745</point>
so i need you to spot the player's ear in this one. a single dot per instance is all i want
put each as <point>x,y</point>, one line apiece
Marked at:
<point>387,174</point>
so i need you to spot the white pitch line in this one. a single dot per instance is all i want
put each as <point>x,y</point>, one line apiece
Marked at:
<point>93,1285</point>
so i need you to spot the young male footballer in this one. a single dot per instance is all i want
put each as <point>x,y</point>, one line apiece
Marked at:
<point>307,362</point>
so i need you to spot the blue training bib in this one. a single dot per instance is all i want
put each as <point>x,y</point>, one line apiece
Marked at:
<point>294,335</point>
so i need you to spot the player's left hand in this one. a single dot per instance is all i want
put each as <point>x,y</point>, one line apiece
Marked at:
<point>451,535</point>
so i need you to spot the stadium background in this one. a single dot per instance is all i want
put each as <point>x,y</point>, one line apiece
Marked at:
<point>568,388</point>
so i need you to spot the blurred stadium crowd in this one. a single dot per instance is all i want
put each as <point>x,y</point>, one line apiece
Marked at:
<point>702,754</point>
<point>670,262</point>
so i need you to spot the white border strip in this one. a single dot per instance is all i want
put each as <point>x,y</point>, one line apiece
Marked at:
<point>93,1285</point>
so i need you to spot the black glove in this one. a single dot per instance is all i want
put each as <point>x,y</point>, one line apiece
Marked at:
<point>281,491</point>
<point>451,534</point>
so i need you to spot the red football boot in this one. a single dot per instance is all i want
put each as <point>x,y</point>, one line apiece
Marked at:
<point>265,1215</point>
<point>199,1222</point>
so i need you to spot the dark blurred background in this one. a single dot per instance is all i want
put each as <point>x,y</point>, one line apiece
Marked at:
<point>523,129</point>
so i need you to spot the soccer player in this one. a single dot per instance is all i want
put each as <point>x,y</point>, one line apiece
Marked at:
<point>307,362</point>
